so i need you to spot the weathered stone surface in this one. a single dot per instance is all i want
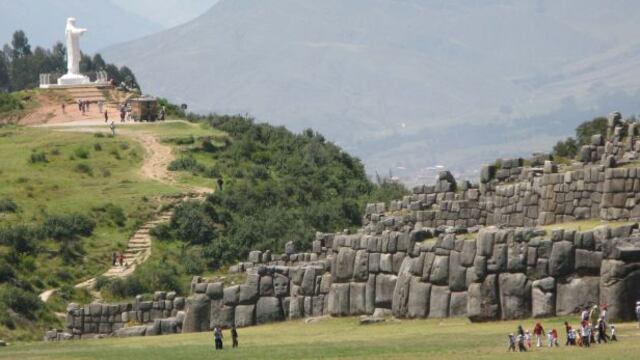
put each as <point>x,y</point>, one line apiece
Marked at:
<point>588,261</point>
<point>280,285</point>
<point>397,260</point>
<point>374,262</point>
<point>498,261</point>
<point>419,296</point>
<point>317,308</point>
<point>385,285</point>
<point>516,256</point>
<point>222,315</point>
<point>249,290</point>
<point>230,295</point>
<point>480,267</point>
<point>361,266</point>
<point>619,288</point>
<point>197,314</point>
<point>370,294</point>
<point>266,286</point>
<point>439,302</point>
<point>214,290</point>
<point>468,253</point>
<point>325,283</point>
<point>485,242</point>
<point>576,293</point>
<point>131,331</point>
<point>245,315</point>
<point>307,287</point>
<point>344,264</point>
<point>268,309</point>
<point>458,304</point>
<point>401,291</point>
<point>255,256</point>
<point>339,300</point>
<point>386,263</point>
<point>429,258</point>
<point>440,270</point>
<point>357,298</point>
<point>457,273</point>
<point>561,261</point>
<point>543,298</point>
<point>515,296</point>
<point>296,306</point>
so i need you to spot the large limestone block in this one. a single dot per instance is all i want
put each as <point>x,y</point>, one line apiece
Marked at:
<point>429,258</point>
<point>296,307</point>
<point>249,290</point>
<point>214,290</point>
<point>307,287</point>
<point>361,266</point>
<point>588,262</point>
<point>515,296</point>
<point>561,260</point>
<point>419,296</point>
<point>385,286</point>
<point>485,241</point>
<point>280,285</point>
<point>457,273</point>
<point>498,261</point>
<point>516,256</point>
<point>574,294</point>
<point>417,265</point>
<point>231,295</point>
<point>131,331</point>
<point>344,264</point>
<point>245,315</point>
<point>370,294</point>
<point>386,263</point>
<point>325,283</point>
<point>458,304</point>
<point>374,262</point>
<point>619,288</point>
<point>543,298</point>
<point>483,302</point>
<point>439,302</point>
<point>357,298</point>
<point>339,300</point>
<point>268,309</point>
<point>222,315</point>
<point>398,259</point>
<point>401,291</point>
<point>266,286</point>
<point>468,253</point>
<point>197,313</point>
<point>440,270</point>
<point>317,305</point>
<point>480,267</point>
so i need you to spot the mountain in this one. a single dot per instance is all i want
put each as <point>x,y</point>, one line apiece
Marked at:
<point>44,20</point>
<point>404,84</point>
<point>167,13</point>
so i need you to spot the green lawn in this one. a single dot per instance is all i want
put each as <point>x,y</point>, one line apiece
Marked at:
<point>336,338</point>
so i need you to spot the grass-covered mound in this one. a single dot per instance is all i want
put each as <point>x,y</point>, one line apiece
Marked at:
<point>277,187</point>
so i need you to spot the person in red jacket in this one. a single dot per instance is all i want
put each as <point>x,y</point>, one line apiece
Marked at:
<point>554,337</point>
<point>538,331</point>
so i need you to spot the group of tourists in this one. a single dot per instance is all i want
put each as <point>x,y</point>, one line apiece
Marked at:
<point>117,258</point>
<point>217,336</point>
<point>593,327</point>
<point>125,112</point>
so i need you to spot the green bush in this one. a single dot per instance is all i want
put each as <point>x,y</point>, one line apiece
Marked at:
<point>97,147</point>
<point>23,302</point>
<point>193,223</point>
<point>98,135</point>
<point>81,153</point>
<point>8,205</point>
<point>38,157</point>
<point>149,277</point>
<point>186,163</point>
<point>84,168</point>
<point>9,102</point>
<point>186,140</point>
<point>113,213</point>
<point>21,238</point>
<point>162,232</point>
<point>61,227</point>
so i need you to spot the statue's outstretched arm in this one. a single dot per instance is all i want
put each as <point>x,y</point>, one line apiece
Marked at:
<point>78,31</point>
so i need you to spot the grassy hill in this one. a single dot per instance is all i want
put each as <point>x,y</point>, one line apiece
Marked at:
<point>332,338</point>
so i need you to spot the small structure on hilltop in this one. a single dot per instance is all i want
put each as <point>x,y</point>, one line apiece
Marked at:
<point>73,77</point>
<point>144,108</point>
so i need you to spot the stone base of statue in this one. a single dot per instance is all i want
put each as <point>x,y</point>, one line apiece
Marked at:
<point>73,79</point>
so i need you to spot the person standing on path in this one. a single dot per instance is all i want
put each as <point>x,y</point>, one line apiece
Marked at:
<point>64,108</point>
<point>114,258</point>
<point>106,116</point>
<point>113,128</point>
<point>234,336</point>
<point>638,312</point>
<point>217,334</point>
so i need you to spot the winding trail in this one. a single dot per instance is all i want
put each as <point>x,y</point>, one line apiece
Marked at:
<point>154,167</point>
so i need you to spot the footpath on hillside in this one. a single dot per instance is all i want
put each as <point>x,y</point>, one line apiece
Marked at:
<point>154,167</point>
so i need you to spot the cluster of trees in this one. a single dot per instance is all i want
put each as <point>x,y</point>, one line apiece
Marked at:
<point>569,147</point>
<point>21,66</point>
<point>278,187</point>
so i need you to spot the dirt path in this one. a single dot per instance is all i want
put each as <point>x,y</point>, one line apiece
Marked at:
<point>155,168</point>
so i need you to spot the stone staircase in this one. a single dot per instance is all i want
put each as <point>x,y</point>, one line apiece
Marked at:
<point>111,97</point>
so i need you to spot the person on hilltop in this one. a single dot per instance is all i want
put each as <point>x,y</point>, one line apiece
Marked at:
<point>538,331</point>
<point>234,336</point>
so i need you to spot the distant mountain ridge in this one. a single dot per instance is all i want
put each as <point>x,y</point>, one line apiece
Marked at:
<point>404,84</point>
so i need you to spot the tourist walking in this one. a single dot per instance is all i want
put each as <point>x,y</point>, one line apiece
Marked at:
<point>64,108</point>
<point>114,258</point>
<point>602,331</point>
<point>638,312</point>
<point>234,336</point>
<point>521,347</point>
<point>586,334</point>
<point>538,331</point>
<point>613,333</point>
<point>121,258</point>
<point>106,116</point>
<point>217,335</point>
<point>511,343</point>
<point>113,128</point>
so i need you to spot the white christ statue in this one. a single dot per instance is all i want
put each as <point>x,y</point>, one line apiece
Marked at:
<point>72,35</point>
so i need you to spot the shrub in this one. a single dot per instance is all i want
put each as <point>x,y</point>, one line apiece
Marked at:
<point>112,212</point>
<point>186,163</point>
<point>60,227</point>
<point>161,231</point>
<point>187,140</point>
<point>84,168</point>
<point>8,205</point>
<point>38,157</point>
<point>124,145</point>
<point>55,152</point>
<point>207,145</point>
<point>25,303</point>
<point>116,154</point>
<point>81,153</point>
<point>98,135</point>
<point>97,147</point>
<point>193,224</point>
<point>106,173</point>
<point>21,238</point>
<point>6,272</point>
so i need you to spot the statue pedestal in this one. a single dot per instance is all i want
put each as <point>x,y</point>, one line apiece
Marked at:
<point>73,79</point>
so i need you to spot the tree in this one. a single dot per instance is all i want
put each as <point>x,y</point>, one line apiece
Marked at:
<point>567,148</point>
<point>127,76</point>
<point>20,45</point>
<point>98,62</point>
<point>4,74</point>
<point>587,129</point>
